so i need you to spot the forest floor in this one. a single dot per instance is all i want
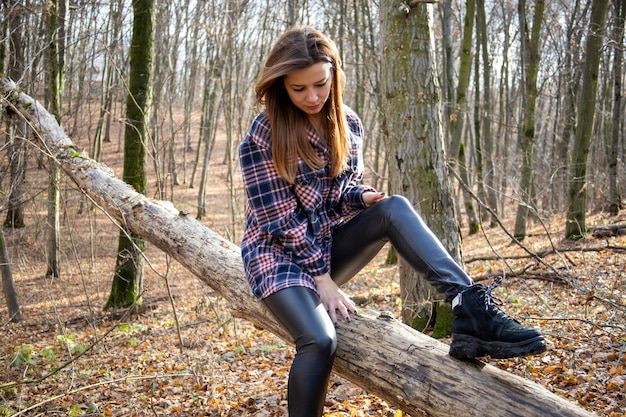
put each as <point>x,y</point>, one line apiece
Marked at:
<point>183,353</point>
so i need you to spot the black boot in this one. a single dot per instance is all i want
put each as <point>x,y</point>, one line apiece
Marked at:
<point>480,328</point>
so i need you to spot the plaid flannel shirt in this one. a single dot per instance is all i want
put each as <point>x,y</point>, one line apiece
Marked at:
<point>289,227</point>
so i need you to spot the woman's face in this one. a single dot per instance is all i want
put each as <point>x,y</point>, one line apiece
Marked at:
<point>309,88</point>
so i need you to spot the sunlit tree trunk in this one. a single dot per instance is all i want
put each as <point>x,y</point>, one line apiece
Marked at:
<point>232,71</point>
<point>368,101</point>
<point>505,106</point>
<point>570,81</point>
<point>56,47</point>
<point>17,144</point>
<point>576,225</point>
<point>487,173</point>
<point>457,109</point>
<point>530,47</point>
<point>174,52</point>
<point>211,105</point>
<point>617,35</point>
<point>190,79</point>
<point>127,280</point>
<point>8,284</point>
<point>411,102</point>
<point>109,76</point>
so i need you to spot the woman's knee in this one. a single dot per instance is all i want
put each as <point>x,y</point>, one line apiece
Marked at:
<point>322,345</point>
<point>398,200</point>
<point>394,204</point>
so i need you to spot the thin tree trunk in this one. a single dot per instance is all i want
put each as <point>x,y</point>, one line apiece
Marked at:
<point>477,117</point>
<point>127,279</point>
<point>457,114</point>
<point>17,145</point>
<point>172,168</point>
<point>615,198</point>
<point>530,41</point>
<point>192,45</point>
<point>576,223</point>
<point>570,81</point>
<point>486,173</point>
<point>56,46</point>
<point>210,116</point>
<point>8,285</point>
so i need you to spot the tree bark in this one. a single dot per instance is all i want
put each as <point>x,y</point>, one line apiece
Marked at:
<point>530,51</point>
<point>414,135</point>
<point>457,112</point>
<point>127,279</point>
<point>17,154</point>
<point>576,223</point>
<point>56,47</point>
<point>410,370</point>
<point>486,172</point>
<point>617,36</point>
<point>8,285</point>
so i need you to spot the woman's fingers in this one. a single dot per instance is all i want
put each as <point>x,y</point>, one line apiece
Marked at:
<point>343,305</point>
<point>333,298</point>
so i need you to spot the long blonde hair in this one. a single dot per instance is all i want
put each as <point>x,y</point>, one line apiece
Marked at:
<point>296,49</point>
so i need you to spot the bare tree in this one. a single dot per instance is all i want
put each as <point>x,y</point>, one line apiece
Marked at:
<point>530,39</point>
<point>8,285</point>
<point>617,36</point>
<point>569,84</point>
<point>56,48</point>
<point>110,76</point>
<point>16,17</point>
<point>7,50</point>
<point>127,280</point>
<point>415,140</point>
<point>458,106</point>
<point>486,175</point>
<point>576,225</point>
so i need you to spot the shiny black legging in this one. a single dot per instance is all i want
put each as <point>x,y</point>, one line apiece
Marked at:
<point>355,243</point>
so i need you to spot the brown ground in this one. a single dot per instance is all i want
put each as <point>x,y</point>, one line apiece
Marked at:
<point>135,365</point>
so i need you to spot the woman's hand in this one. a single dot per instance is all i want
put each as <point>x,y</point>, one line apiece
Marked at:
<point>371,197</point>
<point>333,298</point>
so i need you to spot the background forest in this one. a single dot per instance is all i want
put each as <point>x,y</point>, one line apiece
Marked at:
<point>530,105</point>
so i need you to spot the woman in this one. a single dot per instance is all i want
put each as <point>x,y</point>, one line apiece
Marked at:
<point>310,227</point>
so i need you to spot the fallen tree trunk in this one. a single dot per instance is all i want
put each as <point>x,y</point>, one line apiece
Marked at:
<point>400,365</point>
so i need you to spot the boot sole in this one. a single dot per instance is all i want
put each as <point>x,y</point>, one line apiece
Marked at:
<point>468,347</point>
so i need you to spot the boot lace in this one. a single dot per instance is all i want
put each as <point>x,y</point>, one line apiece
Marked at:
<point>492,302</point>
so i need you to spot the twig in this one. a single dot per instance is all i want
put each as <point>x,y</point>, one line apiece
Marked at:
<point>557,278</point>
<point>171,297</point>
<point>546,253</point>
<point>504,229</point>
<point>72,360</point>
<point>86,387</point>
<point>586,321</point>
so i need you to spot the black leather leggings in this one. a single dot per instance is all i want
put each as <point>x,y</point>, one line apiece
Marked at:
<point>355,243</point>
